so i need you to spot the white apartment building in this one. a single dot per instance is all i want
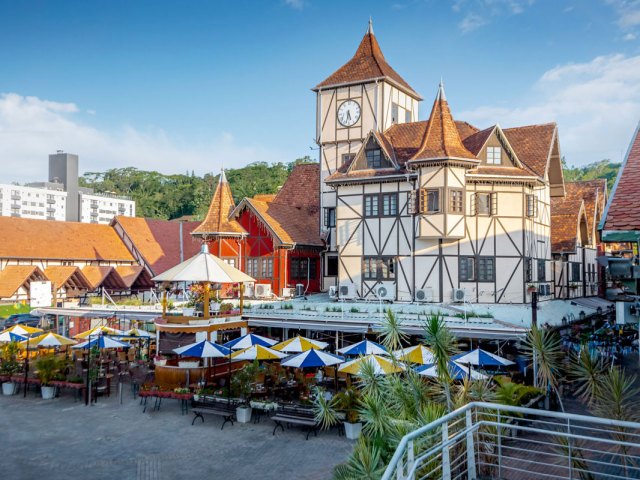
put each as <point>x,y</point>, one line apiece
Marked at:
<point>101,208</point>
<point>33,202</point>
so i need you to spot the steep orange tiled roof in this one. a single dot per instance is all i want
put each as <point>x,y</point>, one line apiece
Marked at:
<point>103,276</point>
<point>565,221</point>
<point>12,277</point>
<point>622,212</point>
<point>476,141</point>
<point>532,145</point>
<point>42,239</point>
<point>294,214</point>
<point>441,138</point>
<point>132,273</point>
<point>592,192</point>
<point>65,275</point>
<point>158,241</point>
<point>368,63</point>
<point>217,221</point>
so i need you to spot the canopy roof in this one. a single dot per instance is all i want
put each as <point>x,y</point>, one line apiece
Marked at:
<point>204,267</point>
<point>249,340</point>
<point>299,344</point>
<point>381,365</point>
<point>365,347</point>
<point>312,358</point>
<point>203,349</point>
<point>481,358</point>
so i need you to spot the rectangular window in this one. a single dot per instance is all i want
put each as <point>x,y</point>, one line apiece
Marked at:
<point>230,261</point>
<point>332,267</point>
<point>575,271</point>
<point>494,155</point>
<point>486,269</point>
<point>467,269</point>
<point>267,268</point>
<point>394,113</point>
<point>374,158</point>
<point>252,267</point>
<point>429,200</point>
<point>486,203</point>
<point>379,268</point>
<point>456,203</point>
<point>528,270</point>
<point>371,205</point>
<point>542,270</point>
<point>301,267</point>
<point>330,217</point>
<point>532,205</point>
<point>407,116</point>
<point>347,158</point>
<point>389,204</point>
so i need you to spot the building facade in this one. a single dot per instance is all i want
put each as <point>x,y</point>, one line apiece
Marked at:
<point>434,210</point>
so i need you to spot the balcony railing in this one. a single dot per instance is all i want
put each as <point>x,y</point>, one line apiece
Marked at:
<point>486,440</point>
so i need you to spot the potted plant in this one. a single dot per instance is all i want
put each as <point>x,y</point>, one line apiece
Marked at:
<point>349,402</point>
<point>531,288</point>
<point>159,360</point>
<point>9,366</point>
<point>241,384</point>
<point>48,367</point>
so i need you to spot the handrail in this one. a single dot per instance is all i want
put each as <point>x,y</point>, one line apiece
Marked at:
<point>395,464</point>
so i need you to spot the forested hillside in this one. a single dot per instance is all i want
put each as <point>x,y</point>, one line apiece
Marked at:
<point>172,196</point>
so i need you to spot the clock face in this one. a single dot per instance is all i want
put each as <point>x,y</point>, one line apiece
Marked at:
<point>349,113</point>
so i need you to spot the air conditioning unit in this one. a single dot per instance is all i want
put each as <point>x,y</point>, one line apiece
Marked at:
<point>424,294</point>
<point>385,293</point>
<point>347,291</point>
<point>459,295</point>
<point>333,292</point>
<point>263,290</point>
<point>288,292</point>
<point>249,291</point>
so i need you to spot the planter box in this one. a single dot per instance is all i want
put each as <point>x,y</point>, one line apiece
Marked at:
<point>352,430</point>
<point>243,414</point>
<point>160,362</point>
<point>187,364</point>
<point>48,393</point>
<point>8,388</point>
<point>188,312</point>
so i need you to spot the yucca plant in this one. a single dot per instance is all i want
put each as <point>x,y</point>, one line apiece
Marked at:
<point>365,463</point>
<point>586,370</point>
<point>442,344</point>
<point>391,332</point>
<point>544,347</point>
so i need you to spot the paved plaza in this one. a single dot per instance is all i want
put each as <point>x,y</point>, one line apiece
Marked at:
<point>63,439</point>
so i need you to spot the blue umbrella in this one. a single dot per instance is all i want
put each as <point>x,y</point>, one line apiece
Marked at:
<point>203,349</point>
<point>311,358</point>
<point>102,342</point>
<point>250,340</point>
<point>365,347</point>
<point>481,358</point>
<point>457,372</point>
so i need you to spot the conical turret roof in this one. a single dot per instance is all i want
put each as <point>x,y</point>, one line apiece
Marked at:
<point>442,139</point>
<point>217,221</point>
<point>368,63</point>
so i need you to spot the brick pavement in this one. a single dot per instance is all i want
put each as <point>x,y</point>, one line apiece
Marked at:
<point>60,439</point>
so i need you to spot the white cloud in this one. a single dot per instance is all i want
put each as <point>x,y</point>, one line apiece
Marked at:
<point>471,22</point>
<point>295,4</point>
<point>596,105</point>
<point>31,128</point>
<point>627,12</point>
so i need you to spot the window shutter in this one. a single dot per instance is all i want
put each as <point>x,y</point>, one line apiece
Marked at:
<point>474,204</point>
<point>494,203</point>
<point>422,200</point>
<point>412,199</point>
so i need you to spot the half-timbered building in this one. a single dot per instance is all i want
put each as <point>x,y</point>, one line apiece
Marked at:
<point>434,210</point>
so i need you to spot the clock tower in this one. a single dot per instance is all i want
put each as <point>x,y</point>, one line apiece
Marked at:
<point>363,95</point>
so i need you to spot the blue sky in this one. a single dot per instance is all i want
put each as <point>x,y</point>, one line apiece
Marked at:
<point>194,85</point>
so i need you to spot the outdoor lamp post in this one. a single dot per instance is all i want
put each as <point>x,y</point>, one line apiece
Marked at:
<point>534,323</point>
<point>26,369</point>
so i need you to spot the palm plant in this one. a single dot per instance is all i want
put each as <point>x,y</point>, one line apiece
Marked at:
<point>442,344</point>
<point>391,332</point>
<point>324,411</point>
<point>544,348</point>
<point>349,401</point>
<point>365,463</point>
<point>587,370</point>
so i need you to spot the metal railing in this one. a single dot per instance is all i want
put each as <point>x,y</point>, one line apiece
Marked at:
<point>492,441</point>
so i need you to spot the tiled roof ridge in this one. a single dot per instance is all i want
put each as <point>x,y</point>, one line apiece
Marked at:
<point>217,220</point>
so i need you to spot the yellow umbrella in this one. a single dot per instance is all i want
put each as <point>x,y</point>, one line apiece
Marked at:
<point>22,330</point>
<point>417,354</point>
<point>382,365</point>
<point>257,352</point>
<point>299,344</point>
<point>99,330</point>
<point>49,340</point>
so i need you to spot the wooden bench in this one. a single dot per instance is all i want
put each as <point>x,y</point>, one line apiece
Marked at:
<point>296,415</point>
<point>214,406</point>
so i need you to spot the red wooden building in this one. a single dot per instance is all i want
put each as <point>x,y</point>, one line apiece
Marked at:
<point>273,238</point>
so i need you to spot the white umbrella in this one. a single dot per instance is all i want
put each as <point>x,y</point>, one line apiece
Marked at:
<point>381,365</point>
<point>136,332</point>
<point>48,340</point>
<point>299,344</point>
<point>258,352</point>
<point>204,267</point>
<point>102,342</point>
<point>457,372</point>
<point>312,358</point>
<point>203,349</point>
<point>364,347</point>
<point>249,340</point>
<point>99,330</point>
<point>481,358</point>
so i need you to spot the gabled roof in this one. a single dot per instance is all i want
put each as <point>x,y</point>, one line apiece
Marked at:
<point>622,213</point>
<point>217,221</point>
<point>441,139</point>
<point>134,276</point>
<point>12,277</point>
<point>63,276</point>
<point>47,240</point>
<point>532,144</point>
<point>293,215</point>
<point>593,193</point>
<point>566,215</point>
<point>367,64</point>
<point>103,277</point>
<point>158,241</point>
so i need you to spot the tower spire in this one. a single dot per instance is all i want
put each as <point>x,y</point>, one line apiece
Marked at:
<point>223,177</point>
<point>441,95</point>
<point>370,29</point>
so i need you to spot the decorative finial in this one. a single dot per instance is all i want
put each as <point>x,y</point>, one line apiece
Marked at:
<point>441,95</point>
<point>370,29</point>
<point>223,177</point>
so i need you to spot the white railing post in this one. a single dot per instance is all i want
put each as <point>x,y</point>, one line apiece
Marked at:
<point>471,451</point>
<point>569,449</point>
<point>410,456</point>
<point>399,471</point>
<point>499,432</point>
<point>446,466</point>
